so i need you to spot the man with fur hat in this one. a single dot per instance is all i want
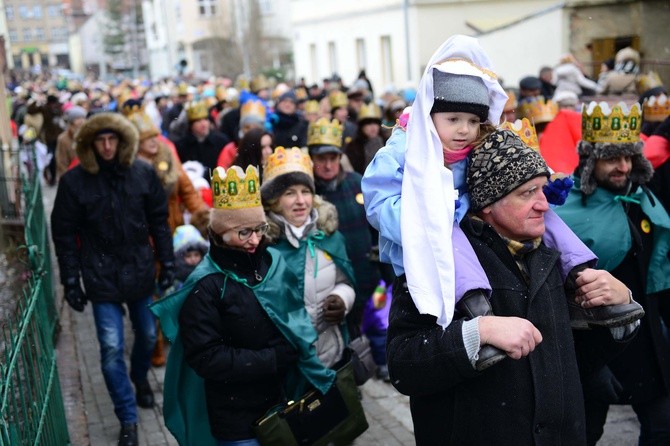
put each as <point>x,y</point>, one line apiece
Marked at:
<point>109,215</point>
<point>533,397</point>
<point>614,213</point>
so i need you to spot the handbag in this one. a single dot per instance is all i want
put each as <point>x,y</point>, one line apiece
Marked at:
<point>361,360</point>
<point>335,418</point>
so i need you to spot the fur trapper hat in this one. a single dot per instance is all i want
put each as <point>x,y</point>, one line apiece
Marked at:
<point>115,122</point>
<point>589,153</point>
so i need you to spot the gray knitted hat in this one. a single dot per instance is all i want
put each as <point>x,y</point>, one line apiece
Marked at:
<point>460,93</point>
<point>499,166</point>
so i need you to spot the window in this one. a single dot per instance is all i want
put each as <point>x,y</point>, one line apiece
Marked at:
<point>39,33</point>
<point>332,57</point>
<point>13,35</point>
<point>25,12</point>
<point>37,12</point>
<point>387,59</point>
<point>27,34</point>
<point>58,33</point>
<point>361,56</point>
<point>54,10</point>
<point>207,8</point>
<point>9,12</point>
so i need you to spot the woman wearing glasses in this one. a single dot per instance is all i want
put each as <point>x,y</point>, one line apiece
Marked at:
<point>304,228</point>
<point>234,345</point>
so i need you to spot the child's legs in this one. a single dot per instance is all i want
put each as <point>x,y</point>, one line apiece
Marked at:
<point>560,237</point>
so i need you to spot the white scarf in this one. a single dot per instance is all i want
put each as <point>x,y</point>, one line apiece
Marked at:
<point>428,195</point>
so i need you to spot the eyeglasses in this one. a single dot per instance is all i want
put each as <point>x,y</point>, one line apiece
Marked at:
<point>260,230</point>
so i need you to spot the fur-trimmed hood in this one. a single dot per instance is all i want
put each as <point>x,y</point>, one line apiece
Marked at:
<point>589,153</point>
<point>128,140</point>
<point>326,220</point>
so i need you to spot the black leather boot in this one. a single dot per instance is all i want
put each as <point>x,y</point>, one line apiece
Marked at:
<point>128,435</point>
<point>144,395</point>
<point>602,316</point>
<point>473,304</point>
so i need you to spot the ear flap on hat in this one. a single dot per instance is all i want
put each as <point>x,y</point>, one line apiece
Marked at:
<point>587,164</point>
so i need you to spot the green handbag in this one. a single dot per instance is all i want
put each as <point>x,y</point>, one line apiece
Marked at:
<point>335,418</point>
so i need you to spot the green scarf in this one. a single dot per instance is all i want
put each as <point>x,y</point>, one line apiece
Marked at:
<point>603,226</point>
<point>184,405</point>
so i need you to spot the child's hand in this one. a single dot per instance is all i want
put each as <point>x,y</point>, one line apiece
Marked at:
<point>557,189</point>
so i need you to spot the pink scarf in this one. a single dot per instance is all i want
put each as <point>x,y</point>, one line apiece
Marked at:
<point>453,156</point>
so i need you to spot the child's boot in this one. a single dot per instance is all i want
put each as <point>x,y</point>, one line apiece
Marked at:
<point>473,304</point>
<point>602,316</point>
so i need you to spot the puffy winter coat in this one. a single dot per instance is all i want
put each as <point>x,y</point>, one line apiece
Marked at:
<point>105,216</point>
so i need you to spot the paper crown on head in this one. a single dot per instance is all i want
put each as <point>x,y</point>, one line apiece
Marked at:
<point>259,83</point>
<point>512,102</point>
<point>142,122</point>
<point>525,130</point>
<point>252,109</point>
<point>301,94</point>
<point>279,90</point>
<point>283,161</point>
<point>337,99</point>
<point>324,132</point>
<point>182,89</point>
<point>220,92</point>
<point>656,108</point>
<point>538,109</point>
<point>196,110</point>
<point>618,125</point>
<point>312,107</point>
<point>369,111</point>
<point>235,189</point>
<point>645,82</point>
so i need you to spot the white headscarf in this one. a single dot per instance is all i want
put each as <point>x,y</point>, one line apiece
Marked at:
<point>428,195</point>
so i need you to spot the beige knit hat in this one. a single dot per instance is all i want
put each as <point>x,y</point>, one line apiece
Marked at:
<point>236,198</point>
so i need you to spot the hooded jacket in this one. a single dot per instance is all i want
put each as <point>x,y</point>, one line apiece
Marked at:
<point>107,213</point>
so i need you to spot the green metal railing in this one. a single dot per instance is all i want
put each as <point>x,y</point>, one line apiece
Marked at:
<point>31,404</point>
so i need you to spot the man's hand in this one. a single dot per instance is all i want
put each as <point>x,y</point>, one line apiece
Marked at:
<point>166,276</point>
<point>333,309</point>
<point>597,287</point>
<point>74,295</point>
<point>514,335</point>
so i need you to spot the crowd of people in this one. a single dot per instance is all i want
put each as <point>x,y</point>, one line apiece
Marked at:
<point>512,251</point>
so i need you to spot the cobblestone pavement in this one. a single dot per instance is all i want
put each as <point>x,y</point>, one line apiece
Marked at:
<point>91,419</point>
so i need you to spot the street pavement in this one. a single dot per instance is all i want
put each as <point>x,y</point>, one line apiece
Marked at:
<point>91,419</point>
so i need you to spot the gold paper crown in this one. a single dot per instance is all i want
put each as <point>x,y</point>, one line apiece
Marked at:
<point>312,107</point>
<point>369,111</point>
<point>337,99</point>
<point>196,110</point>
<point>511,103</point>
<point>182,89</point>
<point>324,132</point>
<point>253,108</point>
<point>221,93</point>
<point>656,108</point>
<point>645,82</point>
<point>235,189</point>
<point>525,130</point>
<point>284,161</point>
<point>258,83</point>
<point>599,124</point>
<point>538,110</point>
<point>279,90</point>
<point>301,94</point>
<point>142,122</point>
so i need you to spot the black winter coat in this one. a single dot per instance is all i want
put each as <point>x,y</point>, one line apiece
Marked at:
<point>103,225</point>
<point>536,400</point>
<point>289,130</point>
<point>227,340</point>
<point>205,152</point>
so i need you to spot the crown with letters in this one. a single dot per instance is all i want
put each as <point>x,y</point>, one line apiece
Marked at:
<point>369,111</point>
<point>235,189</point>
<point>324,132</point>
<point>253,107</point>
<point>196,110</point>
<point>284,161</point>
<point>525,130</point>
<point>615,125</point>
<point>656,108</point>
<point>538,110</point>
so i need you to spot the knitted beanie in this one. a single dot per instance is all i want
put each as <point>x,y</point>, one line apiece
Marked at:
<point>499,166</point>
<point>277,185</point>
<point>460,93</point>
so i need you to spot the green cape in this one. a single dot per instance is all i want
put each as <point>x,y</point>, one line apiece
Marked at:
<point>603,226</point>
<point>184,405</point>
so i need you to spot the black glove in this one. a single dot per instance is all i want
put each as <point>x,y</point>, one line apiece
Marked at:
<point>166,277</point>
<point>285,354</point>
<point>74,295</point>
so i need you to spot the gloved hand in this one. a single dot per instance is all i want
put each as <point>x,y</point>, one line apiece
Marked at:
<point>333,309</point>
<point>74,295</point>
<point>166,276</point>
<point>557,190</point>
<point>285,354</point>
